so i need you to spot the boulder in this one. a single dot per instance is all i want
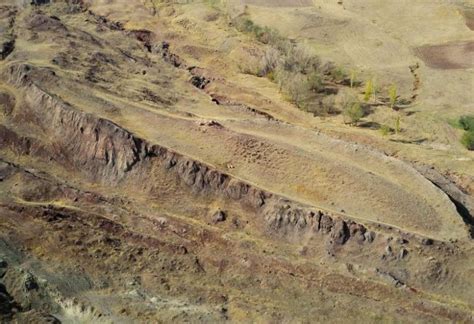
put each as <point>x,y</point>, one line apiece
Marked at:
<point>219,216</point>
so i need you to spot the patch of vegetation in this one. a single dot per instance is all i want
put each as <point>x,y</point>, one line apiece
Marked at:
<point>296,87</point>
<point>393,95</point>
<point>353,112</point>
<point>294,67</point>
<point>385,130</point>
<point>467,123</point>
<point>397,125</point>
<point>468,140</point>
<point>265,35</point>
<point>369,90</point>
<point>338,74</point>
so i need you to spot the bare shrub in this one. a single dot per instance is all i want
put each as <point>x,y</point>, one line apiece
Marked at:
<point>269,61</point>
<point>251,65</point>
<point>299,59</point>
<point>297,88</point>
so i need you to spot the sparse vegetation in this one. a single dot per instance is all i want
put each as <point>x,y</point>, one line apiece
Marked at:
<point>338,74</point>
<point>369,90</point>
<point>353,112</point>
<point>315,82</point>
<point>397,124</point>
<point>293,67</point>
<point>467,124</point>
<point>353,78</point>
<point>262,34</point>
<point>468,140</point>
<point>297,87</point>
<point>385,130</point>
<point>393,95</point>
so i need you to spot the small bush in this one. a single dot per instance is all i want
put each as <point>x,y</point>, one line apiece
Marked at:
<point>354,112</point>
<point>315,82</point>
<point>385,130</point>
<point>297,88</point>
<point>244,25</point>
<point>251,65</point>
<point>269,62</point>
<point>328,106</point>
<point>298,59</point>
<point>468,140</point>
<point>338,74</point>
<point>323,107</point>
<point>467,123</point>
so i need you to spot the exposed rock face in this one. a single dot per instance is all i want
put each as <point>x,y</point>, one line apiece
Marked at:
<point>108,153</point>
<point>340,233</point>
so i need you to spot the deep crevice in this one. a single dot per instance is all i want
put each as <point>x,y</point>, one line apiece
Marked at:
<point>462,210</point>
<point>465,215</point>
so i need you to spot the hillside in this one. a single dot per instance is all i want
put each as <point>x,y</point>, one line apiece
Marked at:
<point>153,169</point>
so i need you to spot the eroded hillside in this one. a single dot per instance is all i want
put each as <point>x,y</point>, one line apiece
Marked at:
<point>145,178</point>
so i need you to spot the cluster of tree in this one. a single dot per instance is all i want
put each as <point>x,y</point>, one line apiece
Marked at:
<point>303,79</point>
<point>297,71</point>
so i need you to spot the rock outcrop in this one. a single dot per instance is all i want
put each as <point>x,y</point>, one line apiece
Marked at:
<point>108,153</point>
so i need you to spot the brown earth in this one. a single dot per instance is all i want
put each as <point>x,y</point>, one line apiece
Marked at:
<point>448,56</point>
<point>469,16</point>
<point>141,183</point>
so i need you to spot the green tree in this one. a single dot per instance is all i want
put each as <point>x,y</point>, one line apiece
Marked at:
<point>369,90</point>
